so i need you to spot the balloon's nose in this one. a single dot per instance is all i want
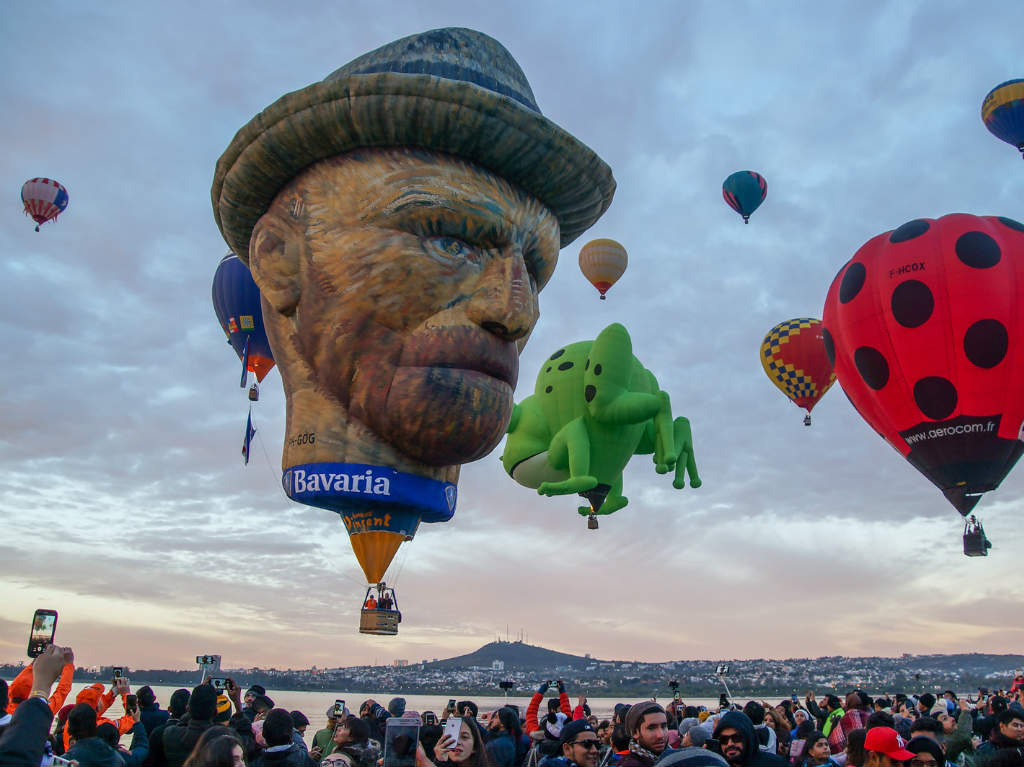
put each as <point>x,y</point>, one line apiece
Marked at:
<point>505,302</point>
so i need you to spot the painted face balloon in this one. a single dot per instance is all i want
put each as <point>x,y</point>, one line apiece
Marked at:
<point>924,330</point>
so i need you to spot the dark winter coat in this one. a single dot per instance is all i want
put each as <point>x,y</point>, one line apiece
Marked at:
<point>752,755</point>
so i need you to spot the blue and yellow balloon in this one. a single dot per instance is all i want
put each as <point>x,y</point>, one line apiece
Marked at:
<point>1003,112</point>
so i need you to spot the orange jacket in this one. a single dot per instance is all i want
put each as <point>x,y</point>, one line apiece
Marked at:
<point>21,688</point>
<point>532,725</point>
<point>100,700</point>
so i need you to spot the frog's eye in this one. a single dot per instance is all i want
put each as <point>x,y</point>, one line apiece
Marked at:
<point>451,250</point>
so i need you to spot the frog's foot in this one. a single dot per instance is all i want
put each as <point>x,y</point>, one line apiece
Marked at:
<point>680,480</point>
<point>569,486</point>
<point>664,468</point>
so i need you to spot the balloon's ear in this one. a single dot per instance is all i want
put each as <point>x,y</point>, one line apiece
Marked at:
<point>274,255</point>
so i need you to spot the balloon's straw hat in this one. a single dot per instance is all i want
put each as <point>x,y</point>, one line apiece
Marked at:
<point>451,90</point>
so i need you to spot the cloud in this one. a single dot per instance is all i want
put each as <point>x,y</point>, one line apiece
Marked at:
<point>125,501</point>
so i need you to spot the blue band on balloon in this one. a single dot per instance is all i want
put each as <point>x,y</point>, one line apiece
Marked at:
<point>350,488</point>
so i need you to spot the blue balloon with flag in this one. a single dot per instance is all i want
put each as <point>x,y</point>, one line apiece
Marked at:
<point>236,300</point>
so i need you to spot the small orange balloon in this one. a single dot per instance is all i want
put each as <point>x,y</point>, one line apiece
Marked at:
<point>602,263</point>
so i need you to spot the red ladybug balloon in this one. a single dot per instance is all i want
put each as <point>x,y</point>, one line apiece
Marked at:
<point>924,329</point>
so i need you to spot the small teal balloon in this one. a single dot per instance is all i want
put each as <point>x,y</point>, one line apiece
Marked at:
<point>745,190</point>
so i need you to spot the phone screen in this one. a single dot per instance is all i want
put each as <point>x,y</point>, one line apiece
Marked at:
<point>401,734</point>
<point>219,683</point>
<point>452,728</point>
<point>44,626</point>
<point>339,709</point>
<point>451,704</point>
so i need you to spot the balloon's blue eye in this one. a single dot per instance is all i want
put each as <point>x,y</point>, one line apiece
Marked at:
<point>452,248</point>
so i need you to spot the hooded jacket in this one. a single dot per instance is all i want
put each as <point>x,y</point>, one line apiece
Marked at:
<point>94,752</point>
<point>752,755</point>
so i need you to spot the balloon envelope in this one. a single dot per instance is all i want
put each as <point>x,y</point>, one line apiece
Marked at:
<point>44,199</point>
<point>236,300</point>
<point>602,262</point>
<point>1003,112</point>
<point>793,357</point>
<point>744,191</point>
<point>925,332</point>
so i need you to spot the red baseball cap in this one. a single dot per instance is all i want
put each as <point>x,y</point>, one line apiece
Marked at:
<point>887,741</point>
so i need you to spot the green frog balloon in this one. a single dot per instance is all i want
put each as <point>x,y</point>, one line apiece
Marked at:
<point>594,407</point>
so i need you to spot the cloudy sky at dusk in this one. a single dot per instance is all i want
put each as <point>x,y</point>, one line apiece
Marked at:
<point>124,501</point>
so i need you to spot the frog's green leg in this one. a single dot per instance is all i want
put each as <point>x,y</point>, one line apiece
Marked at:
<point>665,454</point>
<point>686,463</point>
<point>570,446</point>
<point>627,407</point>
<point>614,501</point>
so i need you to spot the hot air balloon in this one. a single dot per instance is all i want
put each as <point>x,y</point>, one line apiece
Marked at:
<point>236,300</point>
<point>44,199</point>
<point>1003,112</point>
<point>925,334</point>
<point>595,406</point>
<point>793,356</point>
<point>602,263</point>
<point>745,190</point>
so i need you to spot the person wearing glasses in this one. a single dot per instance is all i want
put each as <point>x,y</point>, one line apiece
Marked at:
<point>579,744</point>
<point>739,743</point>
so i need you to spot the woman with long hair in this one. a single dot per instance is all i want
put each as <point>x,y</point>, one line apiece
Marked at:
<point>469,750</point>
<point>217,747</point>
<point>775,720</point>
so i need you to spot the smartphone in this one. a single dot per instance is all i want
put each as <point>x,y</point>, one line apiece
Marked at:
<point>794,698</point>
<point>220,684</point>
<point>451,704</point>
<point>678,696</point>
<point>44,626</point>
<point>339,709</point>
<point>452,728</point>
<point>401,734</point>
<point>723,699</point>
<point>118,672</point>
<point>130,702</point>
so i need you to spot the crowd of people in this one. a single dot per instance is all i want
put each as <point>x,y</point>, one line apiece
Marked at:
<point>207,727</point>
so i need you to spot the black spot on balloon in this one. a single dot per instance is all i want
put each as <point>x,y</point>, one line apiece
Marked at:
<point>872,367</point>
<point>830,346</point>
<point>557,354</point>
<point>548,389</point>
<point>912,303</point>
<point>935,397</point>
<point>547,369</point>
<point>852,282</point>
<point>1011,223</point>
<point>597,369</point>
<point>978,250</point>
<point>565,366</point>
<point>909,230</point>
<point>590,392</point>
<point>587,366</point>
<point>986,342</point>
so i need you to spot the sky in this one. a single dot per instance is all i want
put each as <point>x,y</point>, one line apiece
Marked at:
<point>125,504</point>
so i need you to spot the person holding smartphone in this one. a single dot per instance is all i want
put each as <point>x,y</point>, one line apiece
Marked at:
<point>466,750</point>
<point>351,745</point>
